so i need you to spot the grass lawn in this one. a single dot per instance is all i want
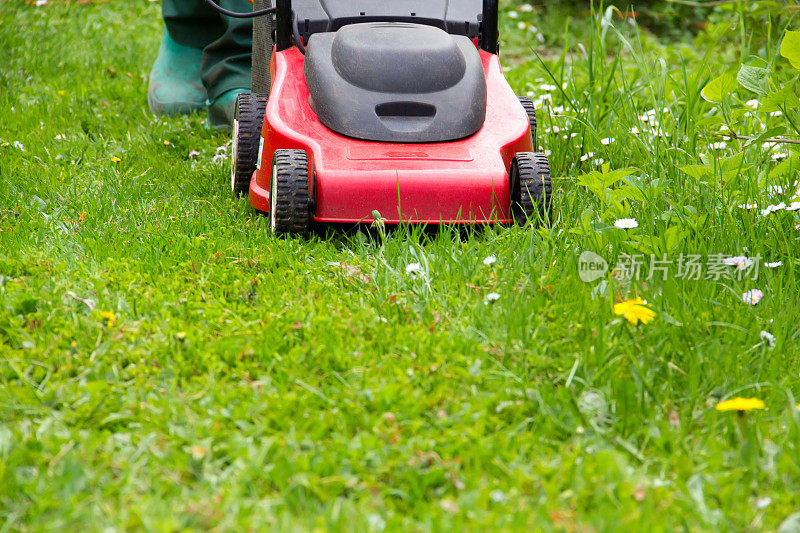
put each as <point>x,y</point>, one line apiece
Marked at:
<point>167,364</point>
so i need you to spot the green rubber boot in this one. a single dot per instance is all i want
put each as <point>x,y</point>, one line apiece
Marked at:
<point>220,111</point>
<point>175,86</point>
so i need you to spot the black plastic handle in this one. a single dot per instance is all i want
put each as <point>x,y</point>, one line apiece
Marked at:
<point>490,31</point>
<point>283,25</point>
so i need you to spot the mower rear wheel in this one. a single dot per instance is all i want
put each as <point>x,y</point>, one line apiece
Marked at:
<point>530,109</point>
<point>531,189</point>
<point>248,119</point>
<point>289,197</point>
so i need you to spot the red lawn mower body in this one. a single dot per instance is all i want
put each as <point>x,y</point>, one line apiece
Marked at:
<point>395,109</point>
<point>464,181</point>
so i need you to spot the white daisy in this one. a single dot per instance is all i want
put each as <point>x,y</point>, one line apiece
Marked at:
<point>489,261</point>
<point>772,208</point>
<point>739,261</point>
<point>769,338</point>
<point>626,223</point>
<point>492,297</point>
<point>414,268</point>
<point>752,297</point>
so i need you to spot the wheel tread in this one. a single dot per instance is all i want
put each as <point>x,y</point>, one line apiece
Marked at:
<point>530,109</point>
<point>533,173</point>
<point>250,109</point>
<point>292,206</point>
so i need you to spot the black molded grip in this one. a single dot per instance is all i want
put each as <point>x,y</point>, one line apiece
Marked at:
<point>283,25</point>
<point>490,32</point>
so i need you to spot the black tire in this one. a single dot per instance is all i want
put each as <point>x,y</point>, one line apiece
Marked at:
<point>290,204</point>
<point>531,189</point>
<point>530,109</point>
<point>248,119</point>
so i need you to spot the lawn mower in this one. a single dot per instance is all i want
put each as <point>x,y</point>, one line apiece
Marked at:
<point>385,108</point>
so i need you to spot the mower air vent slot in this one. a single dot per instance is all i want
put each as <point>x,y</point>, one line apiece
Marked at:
<point>406,117</point>
<point>405,110</point>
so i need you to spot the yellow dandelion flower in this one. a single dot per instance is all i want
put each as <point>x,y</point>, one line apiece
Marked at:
<point>635,311</point>
<point>5,144</point>
<point>109,317</point>
<point>740,404</point>
<point>82,216</point>
<point>115,159</point>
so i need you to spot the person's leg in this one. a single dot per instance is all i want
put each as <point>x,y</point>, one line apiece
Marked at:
<point>175,81</point>
<point>226,64</point>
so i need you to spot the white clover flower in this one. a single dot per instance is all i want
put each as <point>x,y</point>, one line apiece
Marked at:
<point>489,261</point>
<point>414,268</point>
<point>752,297</point>
<point>492,297</point>
<point>626,223</point>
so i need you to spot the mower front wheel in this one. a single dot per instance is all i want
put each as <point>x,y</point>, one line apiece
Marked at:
<point>289,197</point>
<point>248,119</point>
<point>531,189</point>
<point>530,110</point>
